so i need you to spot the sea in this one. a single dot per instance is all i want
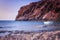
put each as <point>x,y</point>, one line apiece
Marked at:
<point>27,26</point>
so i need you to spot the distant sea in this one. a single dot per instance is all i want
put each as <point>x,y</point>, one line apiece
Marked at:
<point>27,26</point>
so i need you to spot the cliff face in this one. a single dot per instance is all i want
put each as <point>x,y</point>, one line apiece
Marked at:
<point>47,10</point>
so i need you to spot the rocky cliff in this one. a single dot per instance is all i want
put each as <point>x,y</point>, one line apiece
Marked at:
<point>47,10</point>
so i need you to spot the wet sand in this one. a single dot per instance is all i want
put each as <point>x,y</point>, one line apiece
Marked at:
<point>53,35</point>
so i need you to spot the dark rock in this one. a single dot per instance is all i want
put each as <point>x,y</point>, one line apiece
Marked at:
<point>44,10</point>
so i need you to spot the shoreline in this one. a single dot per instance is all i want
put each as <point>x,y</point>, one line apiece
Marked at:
<point>53,35</point>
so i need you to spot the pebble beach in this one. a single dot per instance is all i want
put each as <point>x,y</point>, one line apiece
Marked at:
<point>53,35</point>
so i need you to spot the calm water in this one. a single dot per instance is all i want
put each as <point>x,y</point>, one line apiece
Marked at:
<point>27,26</point>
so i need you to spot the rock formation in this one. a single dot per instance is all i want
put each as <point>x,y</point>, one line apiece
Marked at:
<point>44,10</point>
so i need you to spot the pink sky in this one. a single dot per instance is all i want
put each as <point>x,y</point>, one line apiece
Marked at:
<point>9,8</point>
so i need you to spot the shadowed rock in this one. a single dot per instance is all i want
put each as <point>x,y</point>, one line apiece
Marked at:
<point>47,10</point>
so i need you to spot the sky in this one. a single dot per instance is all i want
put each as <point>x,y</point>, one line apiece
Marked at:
<point>9,8</point>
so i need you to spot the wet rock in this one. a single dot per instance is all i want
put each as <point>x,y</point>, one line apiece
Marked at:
<point>52,35</point>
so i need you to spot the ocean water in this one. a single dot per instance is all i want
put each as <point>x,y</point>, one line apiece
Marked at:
<point>27,26</point>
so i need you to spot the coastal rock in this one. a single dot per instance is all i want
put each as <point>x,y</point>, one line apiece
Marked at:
<point>53,35</point>
<point>44,10</point>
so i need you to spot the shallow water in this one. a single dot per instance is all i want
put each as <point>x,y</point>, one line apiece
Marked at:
<point>27,26</point>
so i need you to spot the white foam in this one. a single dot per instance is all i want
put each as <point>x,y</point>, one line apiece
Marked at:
<point>48,22</point>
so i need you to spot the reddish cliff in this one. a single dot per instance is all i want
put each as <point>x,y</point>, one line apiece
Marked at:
<point>46,10</point>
